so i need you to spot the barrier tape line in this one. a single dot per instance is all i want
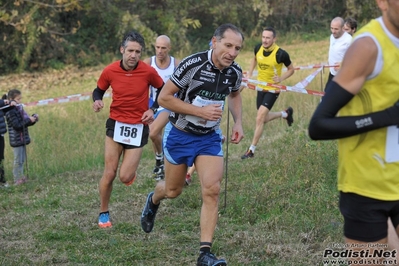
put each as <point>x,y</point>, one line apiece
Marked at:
<point>321,65</point>
<point>250,85</point>
<point>300,87</point>
<point>65,99</point>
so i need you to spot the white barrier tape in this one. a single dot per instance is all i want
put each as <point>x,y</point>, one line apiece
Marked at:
<point>65,99</point>
<point>255,73</point>
<point>300,87</point>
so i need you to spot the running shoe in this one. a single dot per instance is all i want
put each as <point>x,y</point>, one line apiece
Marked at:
<point>4,185</point>
<point>103,220</point>
<point>208,259</point>
<point>289,118</point>
<point>148,214</point>
<point>188,179</point>
<point>248,154</point>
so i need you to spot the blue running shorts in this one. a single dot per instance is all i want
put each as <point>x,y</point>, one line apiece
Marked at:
<point>181,147</point>
<point>160,110</point>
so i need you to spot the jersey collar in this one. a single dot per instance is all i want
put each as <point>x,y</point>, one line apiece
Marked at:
<point>210,51</point>
<point>121,65</point>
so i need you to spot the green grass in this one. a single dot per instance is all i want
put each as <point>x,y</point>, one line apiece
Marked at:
<point>279,208</point>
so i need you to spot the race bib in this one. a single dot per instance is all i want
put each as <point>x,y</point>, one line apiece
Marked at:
<point>392,145</point>
<point>198,121</point>
<point>128,134</point>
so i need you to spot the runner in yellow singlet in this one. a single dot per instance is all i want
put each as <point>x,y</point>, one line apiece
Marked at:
<point>365,92</point>
<point>270,59</point>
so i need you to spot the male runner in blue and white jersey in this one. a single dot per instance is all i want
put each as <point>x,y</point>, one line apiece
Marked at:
<point>202,82</point>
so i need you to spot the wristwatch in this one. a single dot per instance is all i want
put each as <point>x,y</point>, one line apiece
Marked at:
<point>155,110</point>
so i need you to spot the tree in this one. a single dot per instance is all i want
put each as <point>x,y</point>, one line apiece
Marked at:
<point>29,24</point>
<point>37,34</point>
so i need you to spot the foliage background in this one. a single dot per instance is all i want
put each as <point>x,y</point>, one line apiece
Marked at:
<point>37,35</point>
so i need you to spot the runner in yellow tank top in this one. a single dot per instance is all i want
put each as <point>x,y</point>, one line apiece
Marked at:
<point>366,92</point>
<point>269,58</point>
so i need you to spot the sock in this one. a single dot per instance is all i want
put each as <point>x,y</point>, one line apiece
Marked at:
<point>159,157</point>
<point>152,204</point>
<point>205,249</point>
<point>252,148</point>
<point>284,114</point>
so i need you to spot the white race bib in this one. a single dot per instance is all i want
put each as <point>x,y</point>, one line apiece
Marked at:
<point>128,134</point>
<point>392,145</point>
<point>198,121</point>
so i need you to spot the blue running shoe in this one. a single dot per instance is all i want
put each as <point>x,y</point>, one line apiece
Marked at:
<point>208,259</point>
<point>148,214</point>
<point>103,220</point>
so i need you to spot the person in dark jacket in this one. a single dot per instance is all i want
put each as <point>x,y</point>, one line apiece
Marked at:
<point>18,122</point>
<point>4,107</point>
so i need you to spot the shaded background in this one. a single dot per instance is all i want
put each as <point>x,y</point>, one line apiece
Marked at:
<point>37,35</point>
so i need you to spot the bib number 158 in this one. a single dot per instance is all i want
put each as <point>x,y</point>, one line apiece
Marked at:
<point>130,134</point>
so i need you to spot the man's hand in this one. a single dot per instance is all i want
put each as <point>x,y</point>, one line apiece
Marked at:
<point>248,75</point>
<point>98,105</point>
<point>276,79</point>
<point>338,66</point>
<point>237,134</point>
<point>212,112</point>
<point>148,116</point>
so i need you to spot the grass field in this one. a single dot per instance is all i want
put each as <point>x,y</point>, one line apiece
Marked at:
<point>279,208</point>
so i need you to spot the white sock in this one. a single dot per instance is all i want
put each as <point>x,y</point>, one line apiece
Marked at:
<point>252,148</point>
<point>158,156</point>
<point>284,114</point>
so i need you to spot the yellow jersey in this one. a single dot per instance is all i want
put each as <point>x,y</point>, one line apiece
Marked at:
<point>268,65</point>
<point>368,164</point>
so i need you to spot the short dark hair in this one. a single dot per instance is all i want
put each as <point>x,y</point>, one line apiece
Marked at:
<point>352,23</point>
<point>13,93</point>
<point>270,29</point>
<point>219,32</point>
<point>133,36</point>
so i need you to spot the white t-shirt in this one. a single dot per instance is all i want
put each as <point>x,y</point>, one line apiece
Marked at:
<point>165,74</point>
<point>337,50</point>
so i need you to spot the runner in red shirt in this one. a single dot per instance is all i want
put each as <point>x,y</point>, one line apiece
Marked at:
<point>127,126</point>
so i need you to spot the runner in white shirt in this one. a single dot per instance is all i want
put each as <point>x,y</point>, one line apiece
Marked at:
<point>164,65</point>
<point>339,43</point>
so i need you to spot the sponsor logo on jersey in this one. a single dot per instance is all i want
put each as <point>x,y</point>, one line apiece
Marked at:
<point>188,63</point>
<point>212,80</point>
<point>263,66</point>
<point>212,95</point>
<point>207,73</point>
